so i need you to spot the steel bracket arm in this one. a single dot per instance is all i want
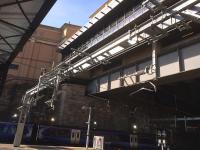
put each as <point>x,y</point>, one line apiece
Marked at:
<point>56,88</point>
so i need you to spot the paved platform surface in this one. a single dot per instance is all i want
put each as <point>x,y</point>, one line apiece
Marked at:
<point>38,147</point>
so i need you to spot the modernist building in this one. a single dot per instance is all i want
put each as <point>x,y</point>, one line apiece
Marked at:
<point>139,61</point>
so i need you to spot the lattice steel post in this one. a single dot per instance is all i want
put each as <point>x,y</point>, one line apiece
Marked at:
<point>22,120</point>
<point>56,88</point>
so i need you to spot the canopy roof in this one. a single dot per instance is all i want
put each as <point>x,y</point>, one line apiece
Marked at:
<point>18,20</point>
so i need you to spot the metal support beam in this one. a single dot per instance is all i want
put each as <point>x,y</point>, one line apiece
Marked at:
<point>12,36</point>
<point>154,58</point>
<point>9,45</point>
<point>180,60</point>
<point>109,82</point>
<point>137,73</point>
<point>14,3</point>
<point>80,52</point>
<point>190,17</point>
<point>12,25</point>
<point>37,94</point>
<point>153,90</point>
<point>180,119</point>
<point>55,91</point>
<point>22,10</point>
<point>121,80</point>
<point>5,52</point>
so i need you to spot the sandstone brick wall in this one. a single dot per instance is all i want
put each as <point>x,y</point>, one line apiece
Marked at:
<point>69,113</point>
<point>41,51</point>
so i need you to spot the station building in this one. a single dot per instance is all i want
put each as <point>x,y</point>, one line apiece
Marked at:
<point>135,62</point>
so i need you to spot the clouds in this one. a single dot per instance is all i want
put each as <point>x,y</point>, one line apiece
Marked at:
<point>73,11</point>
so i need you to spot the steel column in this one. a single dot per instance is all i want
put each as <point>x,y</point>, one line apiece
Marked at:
<point>155,58</point>
<point>88,128</point>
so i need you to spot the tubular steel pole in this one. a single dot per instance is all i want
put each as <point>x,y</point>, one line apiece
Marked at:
<point>88,128</point>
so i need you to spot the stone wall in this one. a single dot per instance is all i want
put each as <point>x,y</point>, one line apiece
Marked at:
<point>69,110</point>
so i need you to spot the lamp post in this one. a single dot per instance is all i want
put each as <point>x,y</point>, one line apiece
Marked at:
<point>14,117</point>
<point>94,124</point>
<point>134,137</point>
<point>89,124</point>
<point>161,137</point>
<point>52,119</point>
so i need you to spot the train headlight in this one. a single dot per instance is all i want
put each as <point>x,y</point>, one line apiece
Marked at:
<point>15,116</point>
<point>159,141</point>
<point>134,126</point>
<point>52,119</point>
<point>164,142</point>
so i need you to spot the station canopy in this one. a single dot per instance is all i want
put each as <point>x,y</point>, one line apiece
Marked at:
<point>18,20</point>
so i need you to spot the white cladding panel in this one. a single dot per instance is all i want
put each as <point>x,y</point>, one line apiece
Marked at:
<point>115,80</point>
<point>169,64</point>
<point>103,84</point>
<point>191,57</point>
<point>129,80</point>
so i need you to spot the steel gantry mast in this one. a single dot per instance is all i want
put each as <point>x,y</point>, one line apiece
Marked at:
<point>150,31</point>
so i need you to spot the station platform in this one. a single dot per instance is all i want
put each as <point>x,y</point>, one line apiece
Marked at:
<point>38,147</point>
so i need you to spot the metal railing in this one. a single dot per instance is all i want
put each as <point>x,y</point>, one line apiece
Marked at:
<point>118,24</point>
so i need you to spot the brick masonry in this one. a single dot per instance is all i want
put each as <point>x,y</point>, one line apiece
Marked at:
<point>69,113</point>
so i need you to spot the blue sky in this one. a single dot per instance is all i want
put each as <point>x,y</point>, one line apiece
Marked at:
<point>73,11</point>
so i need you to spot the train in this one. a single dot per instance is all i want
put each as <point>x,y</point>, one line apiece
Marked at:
<point>68,136</point>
